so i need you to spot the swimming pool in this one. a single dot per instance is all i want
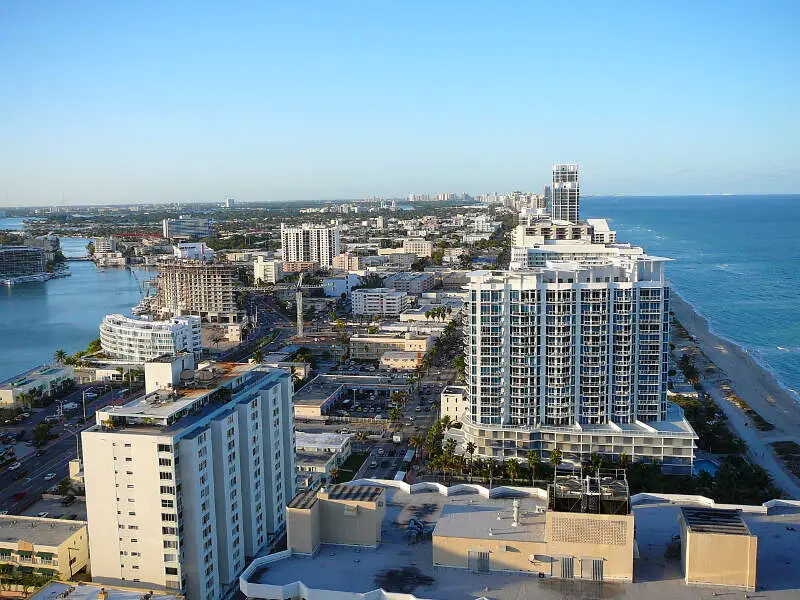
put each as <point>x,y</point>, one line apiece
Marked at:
<point>706,465</point>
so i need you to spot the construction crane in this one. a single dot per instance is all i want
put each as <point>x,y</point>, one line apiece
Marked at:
<point>298,296</point>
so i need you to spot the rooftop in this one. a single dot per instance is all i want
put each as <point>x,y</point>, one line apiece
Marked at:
<point>56,590</point>
<point>40,532</point>
<point>480,519</point>
<point>714,520</point>
<point>320,441</point>
<point>355,493</point>
<point>309,459</point>
<point>318,391</point>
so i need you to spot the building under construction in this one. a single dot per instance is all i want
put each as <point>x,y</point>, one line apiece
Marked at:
<point>193,287</point>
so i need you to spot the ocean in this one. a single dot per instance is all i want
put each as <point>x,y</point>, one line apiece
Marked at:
<point>735,259</point>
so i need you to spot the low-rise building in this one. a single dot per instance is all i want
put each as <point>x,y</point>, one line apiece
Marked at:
<point>411,283</point>
<point>453,402</point>
<point>340,284</point>
<point>138,340</point>
<point>372,347</point>
<point>422,248</point>
<point>347,261</point>
<point>267,270</point>
<point>21,261</point>
<point>401,360</point>
<point>300,266</point>
<point>379,301</point>
<point>193,251</point>
<point>50,547</point>
<point>318,454</point>
<point>46,380</point>
<point>59,590</point>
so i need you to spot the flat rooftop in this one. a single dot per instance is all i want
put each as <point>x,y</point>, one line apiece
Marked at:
<point>320,441</point>
<point>40,532</point>
<point>316,459</point>
<point>714,520</point>
<point>356,493</point>
<point>317,392</point>
<point>56,590</point>
<point>494,518</point>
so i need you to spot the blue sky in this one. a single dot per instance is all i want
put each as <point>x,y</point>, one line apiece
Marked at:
<point>194,101</point>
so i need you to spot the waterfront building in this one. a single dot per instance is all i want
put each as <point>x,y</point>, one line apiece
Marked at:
<point>422,248</point>
<point>310,243</point>
<point>581,251</point>
<point>139,340</point>
<point>411,283</point>
<point>45,381</point>
<point>104,244</point>
<point>51,245</point>
<point>41,546</point>
<point>267,270</point>
<point>187,228</point>
<point>372,347</point>
<point>197,288</point>
<point>185,482</point>
<point>538,228</point>
<point>379,301</point>
<point>21,261</point>
<point>566,195</point>
<point>347,261</point>
<point>573,356</point>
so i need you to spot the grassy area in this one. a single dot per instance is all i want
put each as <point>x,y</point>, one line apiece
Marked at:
<point>350,467</point>
<point>790,454</point>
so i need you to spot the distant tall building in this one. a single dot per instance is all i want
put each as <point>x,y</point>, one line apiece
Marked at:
<point>566,193</point>
<point>310,243</point>
<point>186,228</point>
<point>230,203</point>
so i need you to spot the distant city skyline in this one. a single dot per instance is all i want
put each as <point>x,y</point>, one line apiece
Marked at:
<point>152,103</point>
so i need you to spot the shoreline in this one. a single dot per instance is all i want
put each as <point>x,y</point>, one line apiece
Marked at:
<point>722,364</point>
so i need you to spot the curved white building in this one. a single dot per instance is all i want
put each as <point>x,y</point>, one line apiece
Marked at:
<point>140,340</point>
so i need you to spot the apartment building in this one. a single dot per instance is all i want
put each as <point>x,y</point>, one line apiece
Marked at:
<point>538,230</point>
<point>187,228</point>
<point>453,402</point>
<point>197,288</point>
<point>103,245</point>
<point>310,243</point>
<point>573,356</point>
<point>139,340</point>
<point>188,482</point>
<point>372,347</point>
<point>411,283</point>
<point>379,301</point>
<point>41,546</point>
<point>566,195</point>
<point>267,270</point>
<point>193,251</point>
<point>347,261</point>
<point>422,248</point>
<point>21,261</point>
<point>580,251</point>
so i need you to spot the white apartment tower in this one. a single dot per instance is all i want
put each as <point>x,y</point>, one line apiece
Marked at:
<point>573,356</point>
<point>186,484</point>
<point>565,193</point>
<point>139,340</point>
<point>310,243</point>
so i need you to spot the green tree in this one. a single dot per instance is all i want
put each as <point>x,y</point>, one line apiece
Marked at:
<point>556,457</point>
<point>460,365</point>
<point>595,462</point>
<point>533,460</point>
<point>258,356</point>
<point>90,248</point>
<point>60,356</point>
<point>624,461</point>
<point>471,451</point>
<point>512,467</point>
<point>41,434</point>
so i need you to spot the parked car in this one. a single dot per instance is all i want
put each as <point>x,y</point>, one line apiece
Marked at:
<point>49,476</point>
<point>43,515</point>
<point>15,466</point>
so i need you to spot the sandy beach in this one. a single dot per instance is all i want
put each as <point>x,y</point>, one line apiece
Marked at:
<point>757,387</point>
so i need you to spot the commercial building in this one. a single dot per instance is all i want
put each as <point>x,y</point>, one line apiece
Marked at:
<point>21,261</point>
<point>574,357</point>
<point>372,347</point>
<point>566,193</point>
<point>140,340</point>
<point>41,546</point>
<point>379,301</point>
<point>193,251</point>
<point>401,360</point>
<point>187,228</point>
<point>411,283</point>
<point>717,548</point>
<point>46,380</point>
<point>267,270</point>
<point>318,454</point>
<point>453,402</point>
<point>197,288</point>
<point>422,248</point>
<point>347,261</point>
<point>310,243</point>
<point>318,396</point>
<point>335,286</point>
<point>187,481</point>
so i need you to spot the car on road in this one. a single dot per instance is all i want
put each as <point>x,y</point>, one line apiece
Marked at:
<point>15,466</point>
<point>373,464</point>
<point>90,395</point>
<point>43,514</point>
<point>49,476</point>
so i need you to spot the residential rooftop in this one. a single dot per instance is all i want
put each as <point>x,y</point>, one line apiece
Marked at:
<point>57,590</point>
<point>41,532</point>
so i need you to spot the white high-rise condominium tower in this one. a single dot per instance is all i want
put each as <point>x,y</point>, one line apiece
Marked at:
<point>565,193</point>
<point>573,356</point>
<point>310,243</point>
<point>187,482</point>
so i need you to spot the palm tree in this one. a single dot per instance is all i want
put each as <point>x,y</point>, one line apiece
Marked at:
<point>595,462</point>
<point>471,451</point>
<point>446,422</point>
<point>555,458</point>
<point>625,461</point>
<point>334,474</point>
<point>533,460</point>
<point>395,415</point>
<point>60,356</point>
<point>417,442</point>
<point>258,356</point>
<point>512,466</point>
